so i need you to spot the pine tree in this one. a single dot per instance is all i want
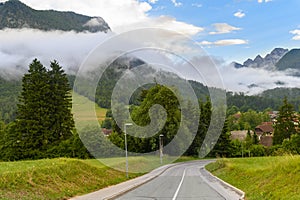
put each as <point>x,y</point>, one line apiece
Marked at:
<point>223,146</point>
<point>284,126</point>
<point>32,118</point>
<point>44,114</point>
<point>60,105</point>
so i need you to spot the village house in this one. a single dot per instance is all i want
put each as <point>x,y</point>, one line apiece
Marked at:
<point>265,133</point>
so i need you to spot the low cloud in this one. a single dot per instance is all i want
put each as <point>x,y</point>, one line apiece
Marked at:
<point>19,47</point>
<point>223,28</point>
<point>253,80</point>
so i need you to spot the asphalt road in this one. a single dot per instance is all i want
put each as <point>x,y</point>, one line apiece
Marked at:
<point>182,182</point>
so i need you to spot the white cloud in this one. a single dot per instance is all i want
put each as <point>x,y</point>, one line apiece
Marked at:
<point>152,1</point>
<point>227,42</point>
<point>296,32</point>
<point>114,12</point>
<point>176,3</point>
<point>120,15</point>
<point>238,80</point>
<point>222,28</point>
<point>239,14</point>
<point>198,5</point>
<point>230,42</point>
<point>165,22</point>
<point>262,1</point>
<point>205,43</point>
<point>19,47</point>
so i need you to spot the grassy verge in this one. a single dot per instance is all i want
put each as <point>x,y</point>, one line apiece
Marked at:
<point>55,178</point>
<point>63,178</point>
<point>262,178</point>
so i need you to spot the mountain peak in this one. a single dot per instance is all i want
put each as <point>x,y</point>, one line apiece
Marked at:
<point>290,60</point>
<point>16,15</point>
<point>267,62</point>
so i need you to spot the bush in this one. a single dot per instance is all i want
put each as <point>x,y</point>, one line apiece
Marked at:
<point>257,150</point>
<point>292,145</point>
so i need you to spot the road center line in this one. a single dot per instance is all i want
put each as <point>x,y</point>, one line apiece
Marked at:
<point>179,186</point>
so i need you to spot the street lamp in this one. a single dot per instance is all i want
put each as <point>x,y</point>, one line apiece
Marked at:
<point>161,147</point>
<point>126,155</point>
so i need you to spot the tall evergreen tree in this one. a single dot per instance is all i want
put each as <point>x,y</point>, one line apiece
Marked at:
<point>223,146</point>
<point>44,114</point>
<point>60,105</point>
<point>284,126</point>
<point>32,117</point>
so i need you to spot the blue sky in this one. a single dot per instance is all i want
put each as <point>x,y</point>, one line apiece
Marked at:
<point>261,25</point>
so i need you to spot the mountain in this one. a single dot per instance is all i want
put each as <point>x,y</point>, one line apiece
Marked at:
<point>291,60</point>
<point>127,71</point>
<point>268,62</point>
<point>16,15</point>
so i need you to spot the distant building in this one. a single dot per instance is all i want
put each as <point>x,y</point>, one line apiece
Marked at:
<point>239,135</point>
<point>266,128</point>
<point>266,140</point>
<point>265,133</point>
<point>273,115</point>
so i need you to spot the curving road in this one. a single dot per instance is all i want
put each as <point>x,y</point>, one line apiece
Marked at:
<point>188,181</point>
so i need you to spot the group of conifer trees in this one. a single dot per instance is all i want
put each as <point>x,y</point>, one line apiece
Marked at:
<point>44,120</point>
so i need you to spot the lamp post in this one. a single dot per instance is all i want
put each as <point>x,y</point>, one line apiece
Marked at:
<point>160,147</point>
<point>126,154</point>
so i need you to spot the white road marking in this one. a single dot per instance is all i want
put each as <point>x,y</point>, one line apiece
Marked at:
<point>179,186</point>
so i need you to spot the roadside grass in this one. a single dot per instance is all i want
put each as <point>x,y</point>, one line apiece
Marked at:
<point>55,178</point>
<point>187,158</point>
<point>62,178</point>
<point>261,178</point>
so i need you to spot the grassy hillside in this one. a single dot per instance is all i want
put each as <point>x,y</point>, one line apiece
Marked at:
<point>83,113</point>
<point>55,178</point>
<point>262,178</point>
